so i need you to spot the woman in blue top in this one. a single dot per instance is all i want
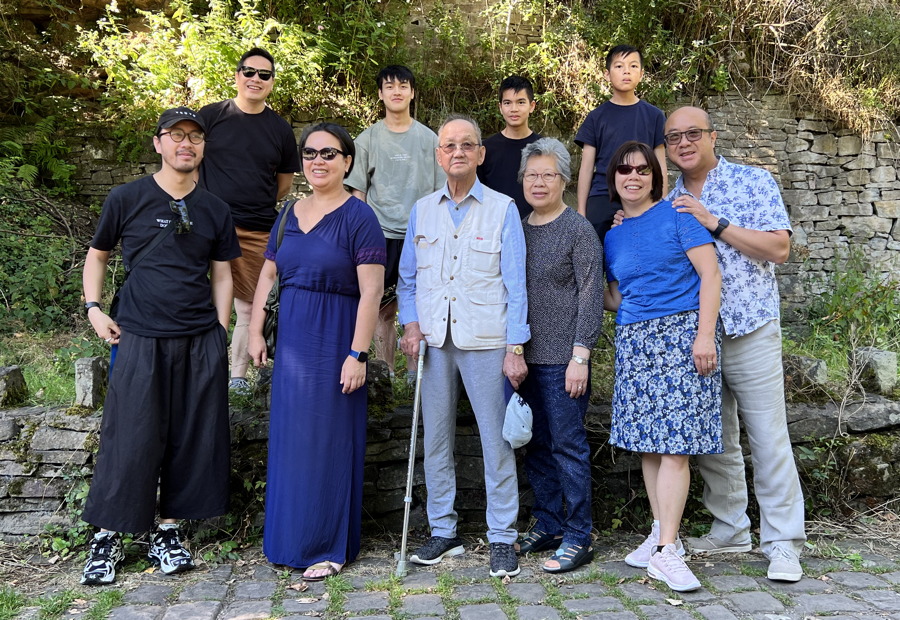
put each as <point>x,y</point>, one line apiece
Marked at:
<point>664,283</point>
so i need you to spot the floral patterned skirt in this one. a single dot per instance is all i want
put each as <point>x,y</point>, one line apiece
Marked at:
<point>661,404</point>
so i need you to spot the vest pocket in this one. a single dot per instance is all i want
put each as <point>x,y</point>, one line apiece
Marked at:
<point>485,255</point>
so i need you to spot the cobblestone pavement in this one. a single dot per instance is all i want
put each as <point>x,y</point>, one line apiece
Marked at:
<point>844,579</point>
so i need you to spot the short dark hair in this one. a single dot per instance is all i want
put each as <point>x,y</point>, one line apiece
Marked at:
<point>623,50</point>
<point>342,135</point>
<point>256,51</point>
<point>397,73</point>
<point>621,157</point>
<point>516,83</point>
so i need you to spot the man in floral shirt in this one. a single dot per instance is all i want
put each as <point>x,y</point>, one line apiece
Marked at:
<point>742,207</point>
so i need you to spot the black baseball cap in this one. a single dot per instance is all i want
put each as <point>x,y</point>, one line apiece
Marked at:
<point>175,115</point>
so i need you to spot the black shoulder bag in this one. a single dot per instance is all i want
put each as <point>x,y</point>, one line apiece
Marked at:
<point>270,323</point>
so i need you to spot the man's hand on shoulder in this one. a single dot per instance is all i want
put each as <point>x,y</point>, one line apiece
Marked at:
<point>688,204</point>
<point>618,218</point>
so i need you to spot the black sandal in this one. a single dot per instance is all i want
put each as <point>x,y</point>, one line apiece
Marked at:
<point>536,540</point>
<point>572,557</point>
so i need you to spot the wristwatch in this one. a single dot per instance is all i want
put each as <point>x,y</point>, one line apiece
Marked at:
<point>515,349</point>
<point>361,356</point>
<point>92,304</point>
<point>580,360</point>
<point>723,224</point>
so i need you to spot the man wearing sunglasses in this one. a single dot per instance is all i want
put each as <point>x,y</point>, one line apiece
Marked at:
<point>251,158</point>
<point>742,207</point>
<point>165,420</point>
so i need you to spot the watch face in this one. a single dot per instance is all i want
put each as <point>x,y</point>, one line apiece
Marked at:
<point>363,356</point>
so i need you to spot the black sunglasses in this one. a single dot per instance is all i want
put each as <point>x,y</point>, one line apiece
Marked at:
<point>328,153</point>
<point>625,169</point>
<point>249,72</point>
<point>179,208</point>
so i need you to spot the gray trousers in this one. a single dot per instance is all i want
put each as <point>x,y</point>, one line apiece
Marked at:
<point>482,375</point>
<point>753,383</point>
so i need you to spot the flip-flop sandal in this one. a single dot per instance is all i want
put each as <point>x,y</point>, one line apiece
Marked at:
<point>569,558</point>
<point>536,540</point>
<point>326,566</point>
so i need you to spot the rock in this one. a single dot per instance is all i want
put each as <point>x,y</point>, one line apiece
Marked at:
<point>877,369</point>
<point>807,422</point>
<point>875,413</point>
<point>381,390</point>
<point>91,375</point>
<point>802,371</point>
<point>12,386</point>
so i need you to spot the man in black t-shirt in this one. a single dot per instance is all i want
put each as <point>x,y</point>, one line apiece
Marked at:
<point>165,420</point>
<point>503,151</point>
<point>250,161</point>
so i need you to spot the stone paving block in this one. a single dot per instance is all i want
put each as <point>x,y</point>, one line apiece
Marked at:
<point>486,611</point>
<point>642,592</point>
<point>611,615</point>
<point>265,572</point>
<point>665,612</point>
<point>537,612</point>
<point>418,604</point>
<point>804,586</point>
<point>857,581</point>
<point>732,583</point>
<point>828,603</point>
<point>304,605</point>
<point>220,573</point>
<point>716,612</point>
<point>755,602</point>
<point>254,590</point>
<point>471,573</point>
<point>594,603</point>
<point>710,568</point>
<point>697,597</point>
<point>366,601</point>
<point>893,578</point>
<point>381,617</point>
<point>313,588</point>
<point>204,610</point>
<point>149,594</point>
<point>532,593</point>
<point>885,600</point>
<point>475,592</point>
<point>247,610</point>
<point>133,612</point>
<point>420,580</point>
<point>620,569</point>
<point>591,589</point>
<point>203,591</point>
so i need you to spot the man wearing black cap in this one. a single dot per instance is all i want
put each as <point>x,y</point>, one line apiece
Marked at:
<point>165,420</point>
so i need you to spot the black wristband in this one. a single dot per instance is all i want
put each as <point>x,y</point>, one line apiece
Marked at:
<point>92,304</point>
<point>723,224</point>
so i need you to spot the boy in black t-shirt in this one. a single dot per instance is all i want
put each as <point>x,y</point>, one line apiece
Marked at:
<point>165,420</point>
<point>503,151</point>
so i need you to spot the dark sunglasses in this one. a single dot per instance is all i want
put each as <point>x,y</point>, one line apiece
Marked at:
<point>179,208</point>
<point>328,153</point>
<point>249,72</point>
<point>625,169</point>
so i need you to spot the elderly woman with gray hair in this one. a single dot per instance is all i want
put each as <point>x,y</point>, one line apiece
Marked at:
<point>565,310</point>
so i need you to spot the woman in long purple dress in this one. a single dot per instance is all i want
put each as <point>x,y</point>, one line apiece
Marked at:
<point>331,269</point>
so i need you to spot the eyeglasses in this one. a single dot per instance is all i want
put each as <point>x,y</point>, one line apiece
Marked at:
<point>179,208</point>
<point>328,153</point>
<point>178,135</point>
<point>691,134</point>
<point>625,169</point>
<point>450,148</point>
<point>547,177</point>
<point>248,72</point>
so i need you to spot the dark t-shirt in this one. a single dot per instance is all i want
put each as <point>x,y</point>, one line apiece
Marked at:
<point>168,294</point>
<point>500,170</point>
<point>610,125</point>
<point>244,153</point>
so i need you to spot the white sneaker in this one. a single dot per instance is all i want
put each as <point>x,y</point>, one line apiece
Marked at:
<point>784,564</point>
<point>669,567</point>
<point>640,557</point>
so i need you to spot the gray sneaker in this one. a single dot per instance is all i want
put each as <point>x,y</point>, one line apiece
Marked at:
<point>784,564</point>
<point>669,567</point>
<point>640,557</point>
<point>709,545</point>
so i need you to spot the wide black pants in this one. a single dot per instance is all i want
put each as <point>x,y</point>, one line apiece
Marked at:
<point>165,423</point>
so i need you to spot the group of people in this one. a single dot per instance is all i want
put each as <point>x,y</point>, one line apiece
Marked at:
<point>470,245</point>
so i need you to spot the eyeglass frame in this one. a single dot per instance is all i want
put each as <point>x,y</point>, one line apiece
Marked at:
<point>534,176</point>
<point>465,147</point>
<point>321,153</point>
<point>670,141</point>
<point>625,170</point>
<point>185,134</point>
<point>264,74</point>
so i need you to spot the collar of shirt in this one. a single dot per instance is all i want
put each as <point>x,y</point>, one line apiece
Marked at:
<point>459,209</point>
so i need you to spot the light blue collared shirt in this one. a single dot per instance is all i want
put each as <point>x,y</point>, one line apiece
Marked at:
<point>512,258</point>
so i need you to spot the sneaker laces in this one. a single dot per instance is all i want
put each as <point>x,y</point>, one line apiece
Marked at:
<point>673,562</point>
<point>168,538</point>
<point>502,551</point>
<point>780,552</point>
<point>102,547</point>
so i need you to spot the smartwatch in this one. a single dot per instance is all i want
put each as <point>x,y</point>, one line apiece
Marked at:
<point>723,224</point>
<point>360,356</point>
<point>92,304</point>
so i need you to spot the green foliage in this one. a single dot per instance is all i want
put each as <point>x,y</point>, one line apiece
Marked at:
<point>824,477</point>
<point>10,603</point>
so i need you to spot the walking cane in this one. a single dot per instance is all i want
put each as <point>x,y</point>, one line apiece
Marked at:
<point>401,563</point>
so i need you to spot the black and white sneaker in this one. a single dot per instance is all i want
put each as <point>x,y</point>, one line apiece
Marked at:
<point>436,549</point>
<point>504,562</point>
<point>167,552</point>
<point>105,553</point>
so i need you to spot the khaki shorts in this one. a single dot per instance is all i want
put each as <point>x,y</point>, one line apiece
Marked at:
<point>245,270</point>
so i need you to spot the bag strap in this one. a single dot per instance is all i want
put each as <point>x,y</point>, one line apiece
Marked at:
<point>289,204</point>
<point>162,234</point>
